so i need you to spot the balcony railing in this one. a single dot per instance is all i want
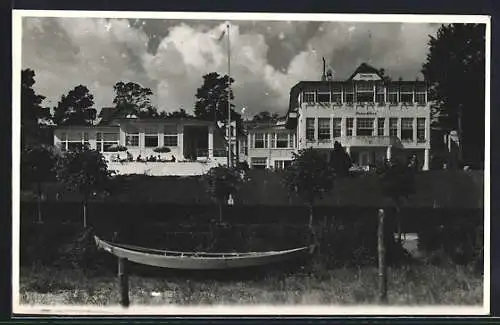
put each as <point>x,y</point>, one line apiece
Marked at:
<point>375,141</point>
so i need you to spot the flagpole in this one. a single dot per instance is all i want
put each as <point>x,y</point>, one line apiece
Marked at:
<point>230,135</point>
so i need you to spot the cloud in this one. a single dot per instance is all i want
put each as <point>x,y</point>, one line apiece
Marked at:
<point>171,56</point>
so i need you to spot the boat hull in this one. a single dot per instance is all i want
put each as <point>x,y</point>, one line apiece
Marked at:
<point>200,261</point>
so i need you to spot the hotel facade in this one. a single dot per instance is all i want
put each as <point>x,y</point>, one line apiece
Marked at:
<point>372,117</point>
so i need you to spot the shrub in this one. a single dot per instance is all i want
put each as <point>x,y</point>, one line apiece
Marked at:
<point>118,148</point>
<point>162,150</point>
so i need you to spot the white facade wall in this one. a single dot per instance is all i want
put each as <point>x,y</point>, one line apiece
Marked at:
<point>363,111</point>
<point>65,136</point>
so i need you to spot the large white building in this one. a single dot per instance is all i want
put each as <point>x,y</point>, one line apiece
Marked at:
<point>373,118</point>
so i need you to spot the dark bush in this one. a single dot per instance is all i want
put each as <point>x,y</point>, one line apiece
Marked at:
<point>457,237</point>
<point>162,150</point>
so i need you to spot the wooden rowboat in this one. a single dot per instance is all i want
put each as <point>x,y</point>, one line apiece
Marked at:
<point>199,260</point>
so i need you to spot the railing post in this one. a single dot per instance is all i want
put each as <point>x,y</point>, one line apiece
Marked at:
<point>382,267</point>
<point>123,280</point>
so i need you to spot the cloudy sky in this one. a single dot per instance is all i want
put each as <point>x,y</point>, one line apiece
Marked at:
<point>171,56</point>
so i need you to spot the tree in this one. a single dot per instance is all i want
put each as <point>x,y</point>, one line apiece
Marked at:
<point>265,116</point>
<point>397,182</point>
<point>37,166</point>
<point>132,98</point>
<point>31,109</point>
<point>84,171</point>
<point>384,76</point>
<point>340,160</point>
<point>456,61</point>
<point>181,113</point>
<point>212,100</point>
<point>75,108</point>
<point>309,176</point>
<point>223,182</point>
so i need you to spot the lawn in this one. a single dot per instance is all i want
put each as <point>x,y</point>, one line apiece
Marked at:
<point>311,284</point>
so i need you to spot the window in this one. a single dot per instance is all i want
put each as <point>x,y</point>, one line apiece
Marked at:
<point>380,93</point>
<point>421,129</point>
<point>364,126</point>
<point>380,126</point>
<point>260,141</point>
<point>392,94</point>
<point>75,140</point>
<point>336,94</point>
<point>291,141</point>
<point>308,97</point>
<point>324,129</point>
<point>310,126</point>
<point>282,164</point>
<point>323,97</point>
<point>170,136</point>
<point>151,140</point>
<point>273,139</point>
<point>132,139</point>
<point>106,140</point>
<point>407,129</point>
<point>282,140</point>
<point>420,94</point>
<point>406,93</point>
<point>151,137</point>
<point>364,92</point>
<point>393,127</point>
<point>349,125</point>
<point>337,127</point>
<point>258,163</point>
<point>348,93</point>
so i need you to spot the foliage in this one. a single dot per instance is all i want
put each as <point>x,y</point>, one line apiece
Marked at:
<point>223,182</point>
<point>31,109</point>
<point>309,176</point>
<point>118,148</point>
<point>340,160</point>
<point>265,116</point>
<point>37,165</point>
<point>162,149</point>
<point>397,180</point>
<point>75,108</point>
<point>84,171</point>
<point>131,98</point>
<point>384,76</point>
<point>212,100</point>
<point>456,58</point>
<point>181,113</point>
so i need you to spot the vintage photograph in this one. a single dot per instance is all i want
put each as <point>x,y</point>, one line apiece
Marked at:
<point>246,163</point>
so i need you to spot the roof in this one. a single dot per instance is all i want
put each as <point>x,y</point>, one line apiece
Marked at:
<point>179,120</point>
<point>362,68</point>
<point>365,68</point>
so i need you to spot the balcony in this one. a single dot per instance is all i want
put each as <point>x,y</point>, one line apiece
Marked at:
<point>357,141</point>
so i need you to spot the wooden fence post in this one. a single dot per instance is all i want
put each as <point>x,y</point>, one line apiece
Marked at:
<point>123,279</point>
<point>382,267</point>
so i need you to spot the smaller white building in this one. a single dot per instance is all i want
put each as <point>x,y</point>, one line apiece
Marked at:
<point>270,144</point>
<point>193,145</point>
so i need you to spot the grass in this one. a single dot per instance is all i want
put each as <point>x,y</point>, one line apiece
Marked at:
<point>310,285</point>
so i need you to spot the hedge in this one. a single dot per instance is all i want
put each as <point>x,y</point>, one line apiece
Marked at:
<point>437,189</point>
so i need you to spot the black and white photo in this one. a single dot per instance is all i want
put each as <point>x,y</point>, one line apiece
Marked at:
<point>231,163</point>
